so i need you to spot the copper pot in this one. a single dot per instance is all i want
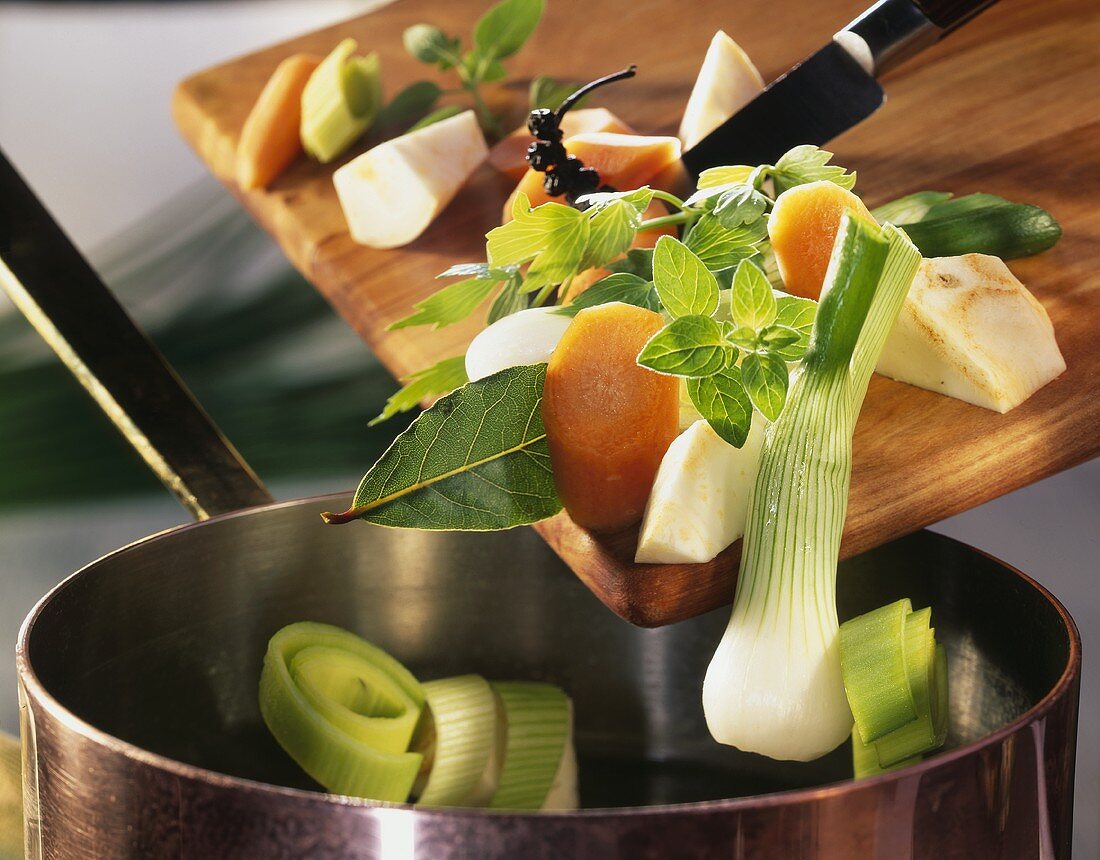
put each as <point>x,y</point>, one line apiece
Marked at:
<point>138,674</point>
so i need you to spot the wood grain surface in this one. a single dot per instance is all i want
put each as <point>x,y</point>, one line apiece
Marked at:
<point>1010,104</point>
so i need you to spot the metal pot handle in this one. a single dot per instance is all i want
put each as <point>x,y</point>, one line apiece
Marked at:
<point>58,291</point>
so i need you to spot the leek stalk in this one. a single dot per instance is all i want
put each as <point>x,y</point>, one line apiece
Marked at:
<point>774,685</point>
<point>340,101</point>
<point>463,715</point>
<point>537,720</point>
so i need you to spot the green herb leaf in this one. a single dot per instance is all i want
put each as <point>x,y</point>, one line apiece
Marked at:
<point>733,174</point>
<point>478,270</point>
<point>440,378</point>
<point>752,302</point>
<point>638,261</point>
<point>445,112</point>
<point>476,460</point>
<point>449,305</point>
<point>613,226</point>
<point>722,400</point>
<point>431,45</point>
<point>688,346</point>
<point>483,70</point>
<point>547,93</point>
<point>765,378</point>
<point>807,163</point>
<point>798,315</point>
<point>413,101</point>
<point>683,282</point>
<point>619,287</point>
<point>506,26</point>
<point>742,337</point>
<point>552,237</point>
<point>741,204</point>
<point>778,337</point>
<point>511,300</point>
<point>720,247</point>
<point>910,208</point>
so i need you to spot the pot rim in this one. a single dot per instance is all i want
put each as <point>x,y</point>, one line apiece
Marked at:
<point>35,690</point>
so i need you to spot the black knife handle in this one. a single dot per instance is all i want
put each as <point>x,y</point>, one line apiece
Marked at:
<point>949,14</point>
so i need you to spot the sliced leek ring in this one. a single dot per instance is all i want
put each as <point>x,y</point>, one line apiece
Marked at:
<point>343,709</point>
<point>464,724</point>
<point>537,720</point>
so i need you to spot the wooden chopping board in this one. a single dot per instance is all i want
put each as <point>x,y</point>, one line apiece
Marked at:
<point>1008,105</point>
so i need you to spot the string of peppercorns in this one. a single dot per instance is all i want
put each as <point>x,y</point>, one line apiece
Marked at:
<point>565,174</point>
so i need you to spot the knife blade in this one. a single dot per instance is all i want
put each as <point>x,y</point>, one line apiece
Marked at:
<point>835,88</point>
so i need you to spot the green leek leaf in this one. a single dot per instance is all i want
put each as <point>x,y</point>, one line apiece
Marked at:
<point>910,208</point>
<point>476,460</point>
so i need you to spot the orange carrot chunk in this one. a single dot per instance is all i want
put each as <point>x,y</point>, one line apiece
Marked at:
<point>270,138</point>
<point>608,421</point>
<point>509,156</point>
<point>803,227</point>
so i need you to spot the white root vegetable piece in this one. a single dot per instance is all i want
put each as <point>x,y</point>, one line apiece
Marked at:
<point>727,82</point>
<point>527,337</point>
<point>969,329</point>
<point>700,499</point>
<point>391,193</point>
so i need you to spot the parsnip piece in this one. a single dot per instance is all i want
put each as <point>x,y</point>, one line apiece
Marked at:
<point>391,193</point>
<point>700,498</point>
<point>527,337</point>
<point>727,82</point>
<point>969,329</point>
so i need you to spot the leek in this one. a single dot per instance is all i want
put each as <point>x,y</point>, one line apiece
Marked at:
<point>343,709</point>
<point>537,717</point>
<point>463,719</point>
<point>871,650</point>
<point>774,685</point>
<point>340,101</point>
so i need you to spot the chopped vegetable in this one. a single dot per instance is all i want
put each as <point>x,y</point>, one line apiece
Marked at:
<point>727,82</point>
<point>463,716</point>
<point>969,329</point>
<point>895,677</point>
<point>509,156</point>
<point>391,193</point>
<point>528,337</point>
<point>343,709</point>
<point>983,224</point>
<point>340,101</point>
<point>608,421</point>
<point>537,717</point>
<point>700,497</point>
<point>803,227</point>
<point>623,161</point>
<point>270,138</point>
<point>774,685</point>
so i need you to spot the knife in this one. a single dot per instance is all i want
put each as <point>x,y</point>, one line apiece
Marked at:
<point>834,89</point>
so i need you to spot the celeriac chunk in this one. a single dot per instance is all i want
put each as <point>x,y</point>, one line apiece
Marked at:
<point>391,193</point>
<point>700,498</point>
<point>727,82</point>
<point>969,329</point>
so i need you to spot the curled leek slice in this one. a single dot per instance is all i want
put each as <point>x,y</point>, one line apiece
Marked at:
<point>343,709</point>
<point>537,720</point>
<point>340,101</point>
<point>464,726</point>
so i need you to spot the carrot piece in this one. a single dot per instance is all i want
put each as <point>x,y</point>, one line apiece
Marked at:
<point>509,156</point>
<point>803,227</point>
<point>270,138</point>
<point>624,161</point>
<point>608,421</point>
